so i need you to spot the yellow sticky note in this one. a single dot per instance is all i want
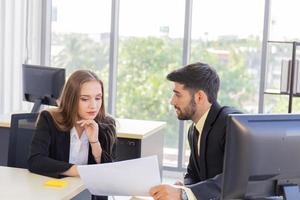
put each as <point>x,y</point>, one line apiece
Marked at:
<point>56,183</point>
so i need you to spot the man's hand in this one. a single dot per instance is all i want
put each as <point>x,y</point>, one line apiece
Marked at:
<point>178,182</point>
<point>165,192</point>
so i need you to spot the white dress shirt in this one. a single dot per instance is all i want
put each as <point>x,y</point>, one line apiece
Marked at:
<point>199,127</point>
<point>79,148</point>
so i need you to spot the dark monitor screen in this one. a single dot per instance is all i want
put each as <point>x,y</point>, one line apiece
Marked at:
<point>42,84</point>
<point>262,157</point>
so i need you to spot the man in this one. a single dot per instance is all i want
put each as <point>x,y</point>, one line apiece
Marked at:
<point>195,98</point>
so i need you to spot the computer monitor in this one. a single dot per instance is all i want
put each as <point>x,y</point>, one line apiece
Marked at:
<point>262,157</point>
<point>42,85</point>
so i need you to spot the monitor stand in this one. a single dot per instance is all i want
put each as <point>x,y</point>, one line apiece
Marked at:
<point>36,106</point>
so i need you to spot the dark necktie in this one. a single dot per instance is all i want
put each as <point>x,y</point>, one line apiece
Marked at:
<point>196,137</point>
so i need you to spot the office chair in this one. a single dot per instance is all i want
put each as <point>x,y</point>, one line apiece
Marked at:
<point>21,132</point>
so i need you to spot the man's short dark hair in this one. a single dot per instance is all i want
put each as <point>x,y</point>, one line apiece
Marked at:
<point>198,76</point>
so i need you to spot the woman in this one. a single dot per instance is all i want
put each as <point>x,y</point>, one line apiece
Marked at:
<point>78,132</point>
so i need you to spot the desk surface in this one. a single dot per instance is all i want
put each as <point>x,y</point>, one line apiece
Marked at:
<point>137,129</point>
<point>126,128</point>
<point>5,121</point>
<point>16,183</point>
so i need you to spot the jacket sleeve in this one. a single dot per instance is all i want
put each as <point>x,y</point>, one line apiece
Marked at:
<point>189,177</point>
<point>39,161</point>
<point>225,114</point>
<point>208,189</point>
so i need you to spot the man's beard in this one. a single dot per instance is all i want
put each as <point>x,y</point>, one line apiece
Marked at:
<point>188,112</point>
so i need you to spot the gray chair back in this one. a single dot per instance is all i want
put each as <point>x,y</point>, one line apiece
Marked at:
<point>22,129</point>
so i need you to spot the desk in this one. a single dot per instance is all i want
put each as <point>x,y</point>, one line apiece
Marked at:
<point>16,183</point>
<point>140,138</point>
<point>136,138</point>
<point>4,138</point>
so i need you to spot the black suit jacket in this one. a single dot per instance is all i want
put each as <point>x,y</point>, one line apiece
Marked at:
<point>50,147</point>
<point>212,146</point>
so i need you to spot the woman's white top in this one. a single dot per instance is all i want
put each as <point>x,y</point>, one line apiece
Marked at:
<point>79,148</point>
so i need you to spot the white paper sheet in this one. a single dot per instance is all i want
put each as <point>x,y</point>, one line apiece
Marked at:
<point>125,178</point>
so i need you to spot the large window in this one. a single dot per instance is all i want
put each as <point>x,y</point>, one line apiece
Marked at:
<point>150,46</point>
<point>80,36</point>
<point>225,34</point>
<point>283,28</point>
<point>228,35</point>
<point>284,19</point>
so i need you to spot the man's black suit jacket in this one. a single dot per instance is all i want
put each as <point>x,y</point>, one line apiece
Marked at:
<point>212,146</point>
<point>50,148</point>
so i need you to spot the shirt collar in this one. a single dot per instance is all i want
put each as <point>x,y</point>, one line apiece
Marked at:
<point>200,123</point>
<point>74,135</point>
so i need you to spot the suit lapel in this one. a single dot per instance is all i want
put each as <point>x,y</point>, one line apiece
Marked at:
<point>211,118</point>
<point>65,148</point>
<point>194,149</point>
